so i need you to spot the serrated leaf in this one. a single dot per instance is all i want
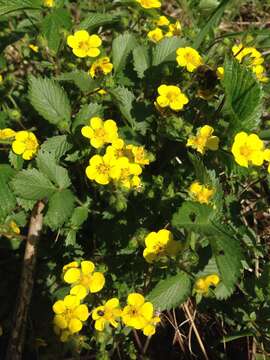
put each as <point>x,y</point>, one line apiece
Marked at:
<point>228,256</point>
<point>194,216</point>
<point>57,146</point>
<point>32,185</point>
<point>123,99</point>
<point>86,112</point>
<point>7,198</point>
<point>79,216</point>
<point>243,96</point>
<point>61,206</point>
<point>95,20</point>
<point>122,45</point>
<point>165,50</point>
<point>9,6</point>
<point>71,238</point>
<point>50,100</point>
<point>81,79</point>
<point>16,161</point>
<point>52,24</point>
<point>56,173</point>
<point>141,60</point>
<point>171,292</point>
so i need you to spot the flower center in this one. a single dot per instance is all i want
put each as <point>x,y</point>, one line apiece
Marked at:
<point>83,45</point>
<point>245,151</point>
<point>171,95</point>
<point>84,280</point>
<point>100,133</point>
<point>103,169</point>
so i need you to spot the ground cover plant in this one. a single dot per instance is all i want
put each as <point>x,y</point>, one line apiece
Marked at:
<point>134,179</point>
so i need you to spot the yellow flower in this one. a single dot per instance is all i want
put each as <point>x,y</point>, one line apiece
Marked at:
<point>248,54</point>
<point>7,133</point>
<point>101,169</point>
<point>139,154</point>
<point>267,158</point>
<point>220,72</point>
<point>83,44</point>
<point>14,227</point>
<point>159,244</point>
<point>33,47</point>
<point>84,279</point>
<point>101,66</point>
<point>259,71</point>
<point>189,58</point>
<point>149,4</point>
<point>202,284</point>
<point>69,315</point>
<point>150,328</point>
<point>171,96</point>
<point>204,140</point>
<point>102,92</point>
<point>201,193</point>
<point>107,314</point>
<point>126,173</point>
<point>117,149</point>
<point>100,132</point>
<point>25,144</point>
<point>48,3</point>
<point>137,313</point>
<point>248,149</point>
<point>174,29</point>
<point>162,21</point>
<point>1,79</point>
<point>155,35</point>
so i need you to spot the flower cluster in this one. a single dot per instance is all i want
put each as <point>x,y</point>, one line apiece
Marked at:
<point>203,284</point>
<point>204,140</point>
<point>121,163</point>
<point>164,29</point>
<point>252,58</point>
<point>149,4</point>
<point>249,150</point>
<point>160,245</point>
<point>189,58</point>
<point>201,193</point>
<point>171,96</point>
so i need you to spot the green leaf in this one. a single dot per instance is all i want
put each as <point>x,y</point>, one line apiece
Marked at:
<point>243,96</point>
<point>141,60</point>
<point>9,6</point>
<point>165,50</point>
<point>81,79</point>
<point>95,20</point>
<point>210,23</point>
<point>7,198</point>
<point>50,100</point>
<point>58,146</point>
<point>171,292</point>
<point>52,25</point>
<point>86,112</point>
<point>122,45</point>
<point>61,206</point>
<point>32,185</point>
<point>16,161</point>
<point>123,99</point>
<point>56,173</point>
<point>228,256</point>
<point>79,216</point>
<point>194,216</point>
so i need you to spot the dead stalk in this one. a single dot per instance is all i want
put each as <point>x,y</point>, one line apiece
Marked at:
<point>16,341</point>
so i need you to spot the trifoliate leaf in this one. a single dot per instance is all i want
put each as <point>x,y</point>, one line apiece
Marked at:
<point>56,173</point>
<point>61,206</point>
<point>165,50</point>
<point>50,100</point>
<point>122,45</point>
<point>32,185</point>
<point>171,292</point>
